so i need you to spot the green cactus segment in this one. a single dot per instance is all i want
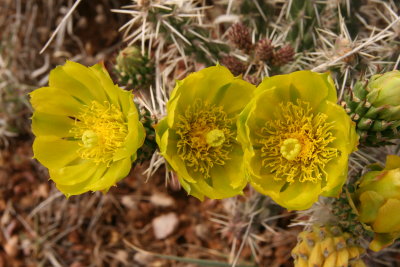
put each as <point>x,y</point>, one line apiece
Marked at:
<point>375,107</point>
<point>134,70</point>
<point>304,19</point>
<point>327,246</point>
<point>149,146</point>
<point>257,12</point>
<point>377,200</point>
<point>194,39</point>
<point>346,216</point>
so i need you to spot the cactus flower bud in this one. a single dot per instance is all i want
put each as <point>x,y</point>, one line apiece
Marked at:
<point>133,69</point>
<point>327,246</point>
<point>378,202</point>
<point>384,90</point>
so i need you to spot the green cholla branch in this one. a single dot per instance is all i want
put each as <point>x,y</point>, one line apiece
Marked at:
<point>303,20</point>
<point>346,215</point>
<point>149,146</point>
<point>184,31</point>
<point>134,70</point>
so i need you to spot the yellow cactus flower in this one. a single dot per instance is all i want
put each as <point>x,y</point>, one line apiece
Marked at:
<point>198,135</point>
<point>296,139</point>
<point>87,129</point>
<point>378,202</point>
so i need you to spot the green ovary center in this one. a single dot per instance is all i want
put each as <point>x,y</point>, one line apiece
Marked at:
<point>215,138</point>
<point>290,148</point>
<point>89,138</point>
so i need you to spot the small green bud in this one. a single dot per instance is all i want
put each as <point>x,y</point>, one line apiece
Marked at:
<point>384,90</point>
<point>133,69</point>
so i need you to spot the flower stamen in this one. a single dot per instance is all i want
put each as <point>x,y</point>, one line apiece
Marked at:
<point>205,136</point>
<point>102,130</point>
<point>297,146</point>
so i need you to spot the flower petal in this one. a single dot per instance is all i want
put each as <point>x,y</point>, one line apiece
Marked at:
<point>51,100</point>
<point>299,196</point>
<point>382,240</point>
<point>87,78</point>
<point>59,79</point>
<point>168,147</point>
<point>74,174</point>
<point>54,152</point>
<point>117,171</point>
<point>84,186</point>
<point>204,84</point>
<point>388,218</point>
<point>308,86</point>
<point>370,202</point>
<point>134,139</point>
<point>392,162</point>
<point>234,96</point>
<point>268,185</point>
<point>104,78</point>
<point>49,124</point>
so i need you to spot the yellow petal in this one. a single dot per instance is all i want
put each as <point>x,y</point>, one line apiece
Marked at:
<point>73,174</point>
<point>267,185</point>
<point>382,240</point>
<point>220,188</point>
<point>49,124</point>
<point>306,85</point>
<point>51,100</point>
<point>117,171</point>
<point>345,142</point>
<point>61,80</point>
<point>342,127</point>
<point>168,147</point>
<point>392,162</point>
<point>370,202</point>
<point>388,218</point>
<point>233,169</point>
<point>112,91</point>
<point>134,139</point>
<point>336,175</point>
<point>299,196</point>
<point>204,84</point>
<point>87,78</point>
<point>235,96</point>
<point>54,152</point>
<point>84,185</point>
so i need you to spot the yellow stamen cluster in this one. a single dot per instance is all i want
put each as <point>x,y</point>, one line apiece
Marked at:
<point>102,130</point>
<point>205,136</point>
<point>297,144</point>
